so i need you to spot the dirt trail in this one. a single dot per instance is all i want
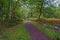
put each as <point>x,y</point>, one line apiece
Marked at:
<point>35,33</point>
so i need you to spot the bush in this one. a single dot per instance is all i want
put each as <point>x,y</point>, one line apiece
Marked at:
<point>9,23</point>
<point>57,21</point>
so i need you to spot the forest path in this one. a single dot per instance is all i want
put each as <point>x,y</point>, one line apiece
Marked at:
<point>35,33</point>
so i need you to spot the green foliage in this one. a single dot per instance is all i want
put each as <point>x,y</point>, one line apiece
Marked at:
<point>58,12</point>
<point>9,23</point>
<point>6,12</point>
<point>15,10</point>
<point>50,11</point>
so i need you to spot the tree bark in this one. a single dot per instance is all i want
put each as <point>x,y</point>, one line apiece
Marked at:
<point>41,9</point>
<point>10,12</point>
<point>31,14</point>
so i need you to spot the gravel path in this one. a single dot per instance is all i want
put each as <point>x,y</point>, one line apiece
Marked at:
<point>35,33</point>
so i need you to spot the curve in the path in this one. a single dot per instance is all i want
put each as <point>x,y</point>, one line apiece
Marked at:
<point>35,33</point>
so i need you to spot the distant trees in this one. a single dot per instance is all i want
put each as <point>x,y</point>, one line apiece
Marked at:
<point>58,12</point>
<point>9,11</point>
<point>41,6</point>
<point>50,11</point>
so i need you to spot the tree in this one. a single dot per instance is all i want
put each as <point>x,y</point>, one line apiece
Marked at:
<point>8,9</point>
<point>50,11</point>
<point>58,12</point>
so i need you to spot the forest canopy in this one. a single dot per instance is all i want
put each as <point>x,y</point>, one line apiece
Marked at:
<point>17,9</point>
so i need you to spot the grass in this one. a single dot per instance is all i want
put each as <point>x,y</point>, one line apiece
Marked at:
<point>18,33</point>
<point>47,31</point>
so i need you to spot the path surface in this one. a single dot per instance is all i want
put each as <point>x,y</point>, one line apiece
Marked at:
<point>35,33</point>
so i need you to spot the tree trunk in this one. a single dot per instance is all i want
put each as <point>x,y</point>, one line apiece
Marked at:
<point>31,14</point>
<point>41,9</point>
<point>10,12</point>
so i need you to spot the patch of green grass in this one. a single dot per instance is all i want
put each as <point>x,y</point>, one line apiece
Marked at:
<point>18,33</point>
<point>47,31</point>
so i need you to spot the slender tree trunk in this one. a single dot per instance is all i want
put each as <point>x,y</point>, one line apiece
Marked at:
<point>40,13</point>
<point>31,14</point>
<point>1,12</point>
<point>10,12</point>
<point>41,9</point>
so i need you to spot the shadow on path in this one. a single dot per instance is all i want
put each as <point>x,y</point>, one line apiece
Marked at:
<point>35,33</point>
